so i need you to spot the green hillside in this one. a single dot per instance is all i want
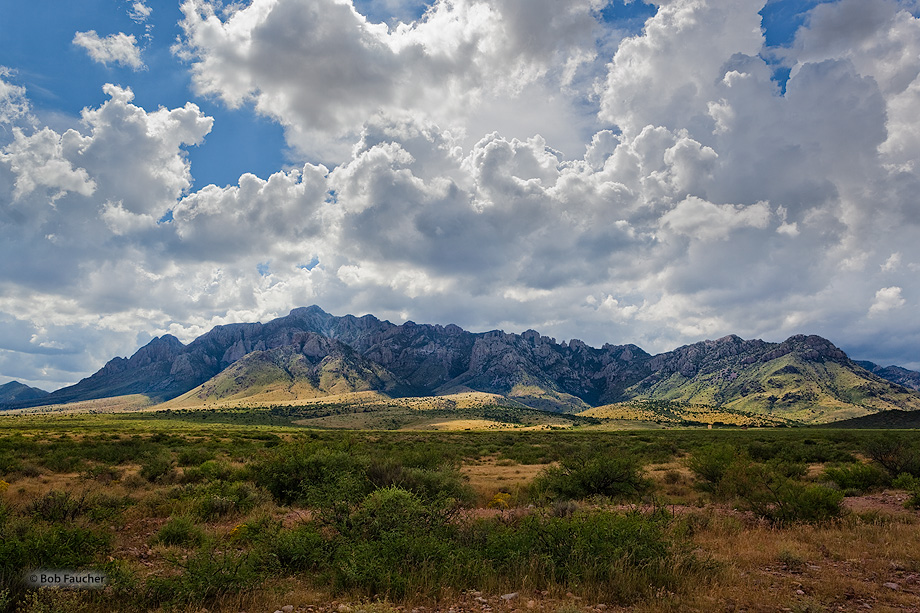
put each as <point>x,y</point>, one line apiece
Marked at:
<point>810,391</point>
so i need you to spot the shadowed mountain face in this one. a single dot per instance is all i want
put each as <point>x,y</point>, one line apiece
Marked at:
<point>902,376</point>
<point>16,391</point>
<point>310,352</point>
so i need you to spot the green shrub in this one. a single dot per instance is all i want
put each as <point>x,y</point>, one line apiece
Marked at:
<point>261,529</point>
<point>301,548</point>
<point>28,544</point>
<point>101,473</point>
<point>194,456</point>
<point>156,467</point>
<point>181,531</point>
<point>583,475</point>
<point>857,478</point>
<point>393,544</point>
<point>223,499</point>
<point>779,497</point>
<point>441,483</point>
<point>906,481</point>
<point>104,507</point>
<point>311,474</point>
<point>208,574</point>
<point>710,463</point>
<point>896,454</point>
<point>210,470</point>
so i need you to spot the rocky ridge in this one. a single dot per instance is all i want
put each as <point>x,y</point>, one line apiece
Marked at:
<point>314,353</point>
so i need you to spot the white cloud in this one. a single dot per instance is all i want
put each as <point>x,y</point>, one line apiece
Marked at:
<point>707,221</point>
<point>39,160</point>
<point>118,48</point>
<point>139,12</point>
<point>886,299</point>
<point>14,106</point>
<point>322,69</point>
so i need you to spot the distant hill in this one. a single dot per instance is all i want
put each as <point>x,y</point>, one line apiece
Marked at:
<point>804,378</point>
<point>15,391</point>
<point>902,376</point>
<point>310,353</point>
<point>888,420</point>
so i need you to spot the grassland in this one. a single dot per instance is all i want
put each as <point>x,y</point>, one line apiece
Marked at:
<point>239,510</point>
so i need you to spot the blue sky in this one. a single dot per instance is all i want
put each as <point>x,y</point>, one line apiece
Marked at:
<point>617,172</point>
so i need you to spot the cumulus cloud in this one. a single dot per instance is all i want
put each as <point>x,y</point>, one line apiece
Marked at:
<point>14,106</point>
<point>322,69</point>
<point>118,48</point>
<point>700,199</point>
<point>886,299</point>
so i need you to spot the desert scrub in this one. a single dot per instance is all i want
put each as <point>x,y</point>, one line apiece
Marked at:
<point>584,475</point>
<point>856,478</point>
<point>209,573</point>
<point>27,543</point>
<point>301,548</point>
<point>395,545</point>
<point>710,463</point>
<point>438,483</point>
<point>315,474</point>
<point>157,467</point>
<point>311,474</point>
<point>181,531</point>
<point>895,453</point>
<point>608,556</point>
<point>911,484</point>
<point>774,492</point>
<point>222,498</point>
<point>57,507</point>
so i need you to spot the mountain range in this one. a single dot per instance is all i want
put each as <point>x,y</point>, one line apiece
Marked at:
<point>310,353</point>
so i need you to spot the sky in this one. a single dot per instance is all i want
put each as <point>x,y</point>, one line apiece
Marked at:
<point>624,172</point>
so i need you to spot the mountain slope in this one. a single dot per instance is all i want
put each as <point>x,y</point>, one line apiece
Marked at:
<point>16,391</point>
<point>902,376</point>
<point>805,378</point>
<point>310,366</point>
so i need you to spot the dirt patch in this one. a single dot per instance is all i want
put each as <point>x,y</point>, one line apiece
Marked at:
<point>889,502</point>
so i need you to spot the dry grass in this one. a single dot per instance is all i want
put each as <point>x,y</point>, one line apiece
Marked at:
<point>491,476</point>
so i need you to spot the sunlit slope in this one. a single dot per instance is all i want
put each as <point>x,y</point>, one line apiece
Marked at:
<point>792,386</point>
<point>285,374</point>
<point>682,414</point>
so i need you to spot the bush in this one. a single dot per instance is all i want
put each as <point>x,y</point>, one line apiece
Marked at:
<point>224,499</point>
<point>437,484</point>
<point>773,494</point>
<point>895,454</point>
<point>908,482</point>
<point>710,463</point>
<point>181,531</point>
<point>107,507</point>
<point>27,544</point>
<point>857,478</point>
<point>582,475</point>
<point>311,474</point>
<point>207,574</point>
<point>57,507</point>
<point>302,548</point>
<point>156,467</point>
<point>393,544</point>
<point>211,470</point>
<point>194,456</point>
